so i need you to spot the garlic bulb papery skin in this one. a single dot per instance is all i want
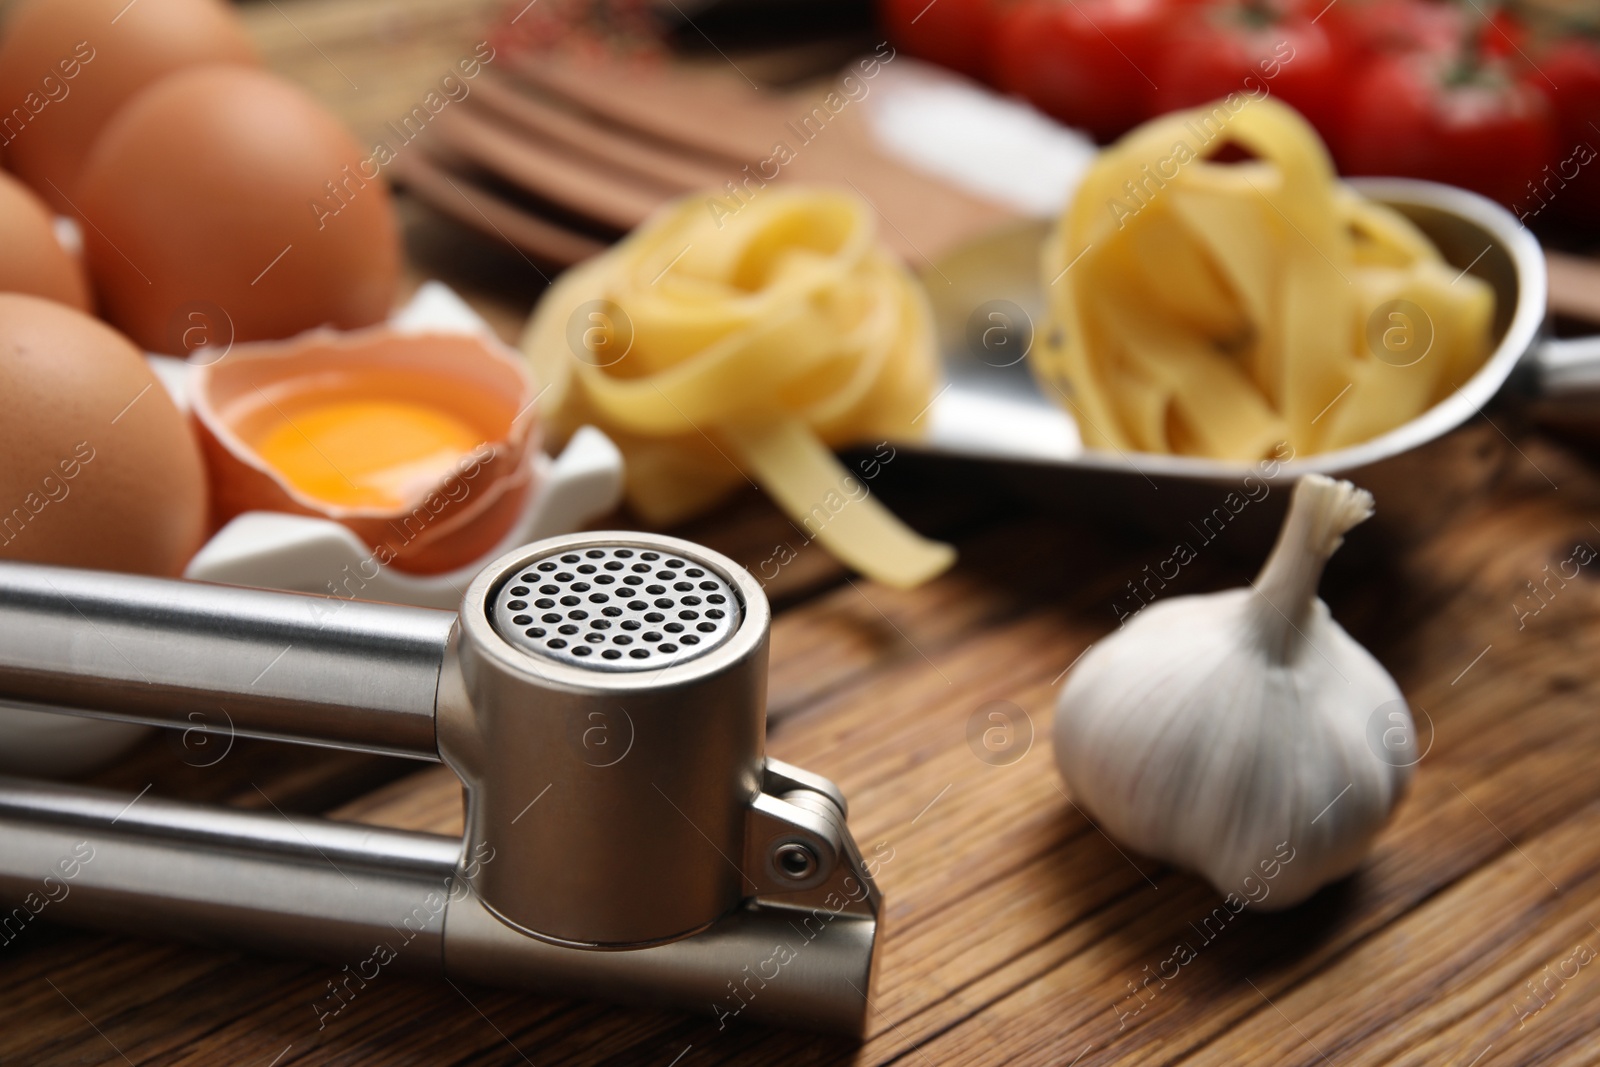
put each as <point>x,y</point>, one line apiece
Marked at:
<point>1225,732</point>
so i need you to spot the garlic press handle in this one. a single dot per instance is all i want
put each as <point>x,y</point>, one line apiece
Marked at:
<point>240,662</point>
<point>263,881</point>
<point>368,900</point>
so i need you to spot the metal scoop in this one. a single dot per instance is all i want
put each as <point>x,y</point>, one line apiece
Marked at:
<point>988,298</point>
<point>602,698</point>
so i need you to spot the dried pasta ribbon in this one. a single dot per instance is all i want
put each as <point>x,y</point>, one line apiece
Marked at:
<point>720,351</point>
<point>1223,309</point>
<point>804,477</point>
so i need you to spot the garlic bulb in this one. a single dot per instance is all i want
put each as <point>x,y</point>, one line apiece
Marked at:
<point>1232,734</point>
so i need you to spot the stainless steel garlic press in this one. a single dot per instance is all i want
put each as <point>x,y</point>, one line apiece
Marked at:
<point>601,697</point>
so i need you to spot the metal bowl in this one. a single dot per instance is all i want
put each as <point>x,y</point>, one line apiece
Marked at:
<point>987,296</point>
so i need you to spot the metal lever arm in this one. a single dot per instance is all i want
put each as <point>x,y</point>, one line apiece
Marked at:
<point>286,666</point>
<point>374,900</point>
<point>272,883</point>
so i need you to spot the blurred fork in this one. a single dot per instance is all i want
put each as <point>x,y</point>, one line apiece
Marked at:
<point>560,157</point>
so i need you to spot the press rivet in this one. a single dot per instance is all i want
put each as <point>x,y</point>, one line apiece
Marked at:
<point>795,861</point>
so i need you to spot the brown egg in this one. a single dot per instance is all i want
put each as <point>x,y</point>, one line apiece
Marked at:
<point>31,259</point>
<point>67,66</point>
<point>98,468</point>
<point>231,193</point>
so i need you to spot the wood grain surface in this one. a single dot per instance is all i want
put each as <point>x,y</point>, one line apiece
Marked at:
<point>1016,933</point>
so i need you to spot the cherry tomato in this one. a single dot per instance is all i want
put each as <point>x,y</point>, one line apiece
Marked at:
<point>1451,117</point>
<point>952,33</point>
<point>1090,63</point>
<point>1568,74</point>
<point>1254,47</point>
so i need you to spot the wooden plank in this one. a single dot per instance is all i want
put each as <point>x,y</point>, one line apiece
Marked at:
<point>1013,926</point>
<point>1008,913</point>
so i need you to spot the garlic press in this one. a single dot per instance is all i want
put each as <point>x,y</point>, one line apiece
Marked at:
<point>601,696</point>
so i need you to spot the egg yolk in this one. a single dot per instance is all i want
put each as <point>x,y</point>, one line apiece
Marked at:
<point>364,453</point>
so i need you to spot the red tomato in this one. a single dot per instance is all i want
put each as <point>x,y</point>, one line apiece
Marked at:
<point>1363,29</point>
<point>1503,33</point>
<point>1568,74</point>
<point>1466,121</point>
<point>953,33</point>
<point>1251,47</point>
<point>1087,62</point>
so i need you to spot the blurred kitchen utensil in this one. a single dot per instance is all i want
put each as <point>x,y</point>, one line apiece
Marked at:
<point>561,156</point>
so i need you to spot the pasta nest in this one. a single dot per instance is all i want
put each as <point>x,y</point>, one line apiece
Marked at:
<point>719,348</point>
<point>1225,309</point>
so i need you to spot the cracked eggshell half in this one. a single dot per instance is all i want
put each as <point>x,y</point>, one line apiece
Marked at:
<point>422,444</point>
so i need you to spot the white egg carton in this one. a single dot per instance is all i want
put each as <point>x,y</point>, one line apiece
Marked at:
<point>310,555</point>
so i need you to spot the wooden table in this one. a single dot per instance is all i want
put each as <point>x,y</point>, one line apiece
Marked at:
<point>1016,932</point>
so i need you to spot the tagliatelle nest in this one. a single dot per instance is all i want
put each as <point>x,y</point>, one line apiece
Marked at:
<point>720,348</point>
<point>1221,309</point>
